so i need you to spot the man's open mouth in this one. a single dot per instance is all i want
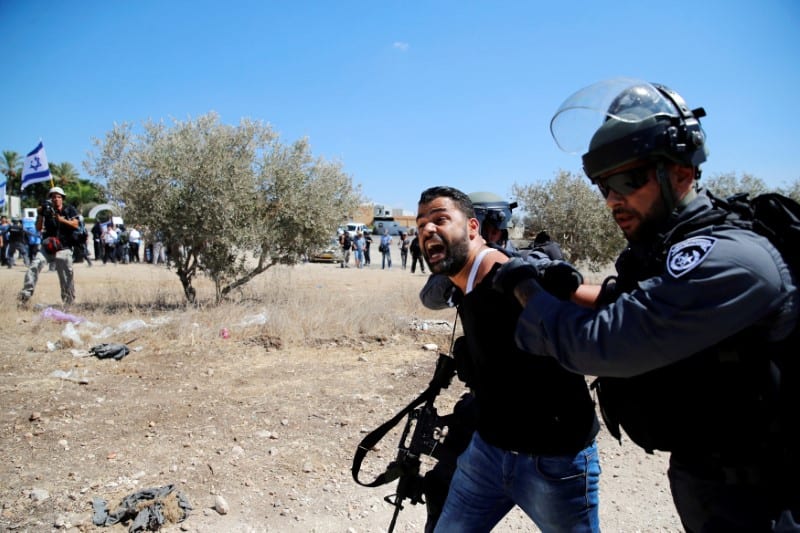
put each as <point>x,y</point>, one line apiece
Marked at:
<point>435,251</point>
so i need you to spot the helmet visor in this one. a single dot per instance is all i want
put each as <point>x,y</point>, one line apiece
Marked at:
<point>623,99</point>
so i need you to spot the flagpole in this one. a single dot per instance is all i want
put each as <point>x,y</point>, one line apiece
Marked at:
<point>52,183</point>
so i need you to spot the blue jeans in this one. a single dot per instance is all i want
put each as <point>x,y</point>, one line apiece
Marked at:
<point>559,493</point>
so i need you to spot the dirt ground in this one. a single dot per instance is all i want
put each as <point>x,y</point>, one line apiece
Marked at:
<point>267,427</point>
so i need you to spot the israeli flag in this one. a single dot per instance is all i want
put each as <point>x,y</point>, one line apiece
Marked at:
<point>36,168</point>
<point>2,194</point>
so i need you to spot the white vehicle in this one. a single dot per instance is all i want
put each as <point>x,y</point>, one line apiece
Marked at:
<point>354,227</point>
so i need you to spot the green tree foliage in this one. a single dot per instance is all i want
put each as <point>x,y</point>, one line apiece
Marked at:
<point>728,184</point>
<point>64,174</point>
<point>792,190</point>
<point>230,201</point>
<point>11,166</point>
<point>573,212</point>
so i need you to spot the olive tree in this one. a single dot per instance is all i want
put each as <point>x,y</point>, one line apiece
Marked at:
<point>573,212</point>
<point>728,184</point>
<point>792,190</point>
<point>229,201</point>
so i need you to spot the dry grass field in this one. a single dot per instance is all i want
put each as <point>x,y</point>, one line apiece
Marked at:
<point>266,419</point>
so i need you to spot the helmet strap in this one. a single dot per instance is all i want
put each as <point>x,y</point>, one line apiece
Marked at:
<point>667,194</point>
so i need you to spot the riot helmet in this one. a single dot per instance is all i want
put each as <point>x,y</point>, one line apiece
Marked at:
<point>491,209</point>
<point>626,120</point>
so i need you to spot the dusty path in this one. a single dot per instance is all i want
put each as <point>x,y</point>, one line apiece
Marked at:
<point>270,427</point>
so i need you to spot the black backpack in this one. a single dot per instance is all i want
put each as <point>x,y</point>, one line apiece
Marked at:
<point>777,217</point>
<point>80,234</point>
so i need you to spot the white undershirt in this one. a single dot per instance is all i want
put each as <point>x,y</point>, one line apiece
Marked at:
<point>474,270</point>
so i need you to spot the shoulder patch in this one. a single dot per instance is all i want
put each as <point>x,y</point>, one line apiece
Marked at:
<point>686,255</point>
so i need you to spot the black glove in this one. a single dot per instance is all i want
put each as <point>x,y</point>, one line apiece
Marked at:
<point>511,273</point>
<point>560,279</point>
<point>439,293</point>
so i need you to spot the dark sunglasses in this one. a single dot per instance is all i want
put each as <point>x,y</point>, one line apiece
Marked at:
<point>624,183</point>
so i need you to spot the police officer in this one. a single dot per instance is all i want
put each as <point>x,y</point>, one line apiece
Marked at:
<point>494,214</point>
<point>57,222</point>
<point>683,335</point>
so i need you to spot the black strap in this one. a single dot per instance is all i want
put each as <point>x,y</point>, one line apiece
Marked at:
<point>445,370</point>
<point>369,442</point>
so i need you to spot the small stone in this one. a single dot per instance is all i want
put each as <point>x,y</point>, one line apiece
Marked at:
<point>36,415</point>
<point>220,505</point>
<point>430,347</point>
<point>39,495</point>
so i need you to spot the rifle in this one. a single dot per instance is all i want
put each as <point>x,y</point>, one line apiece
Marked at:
<point>426,436</point>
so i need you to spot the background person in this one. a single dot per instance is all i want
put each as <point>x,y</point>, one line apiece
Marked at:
<point>687,338</point>
<point>97,240</point>
<point>358,249</point>
<point>403,244</point>
<point>545,244</point>
<point>4,225</point>
<point>17,243</point>
<point>346,242</point>
<point>34,237</point>
<point>110,240</point>
<point>416,255</point>
<point>367,244</point>
<point>386,250</point>
<point>57,223</point>
<point>135,241</point>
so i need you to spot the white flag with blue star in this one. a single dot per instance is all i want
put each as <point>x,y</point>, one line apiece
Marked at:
<point>36,168</point>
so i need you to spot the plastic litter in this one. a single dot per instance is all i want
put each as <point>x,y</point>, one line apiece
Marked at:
<point>71,335</point>
<point>70,375</point>
<point>132,325</point>
<point>61,316</point>
<point>224,333</point>
<point>254,320</point>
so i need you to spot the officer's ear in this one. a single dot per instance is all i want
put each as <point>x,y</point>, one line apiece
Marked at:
<point>682,179</point>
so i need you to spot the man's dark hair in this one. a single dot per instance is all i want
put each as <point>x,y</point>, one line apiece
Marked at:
<point>541,237</point>
<point>461,200</point>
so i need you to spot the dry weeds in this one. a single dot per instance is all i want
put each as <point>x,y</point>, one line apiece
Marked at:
<point>268,418</point>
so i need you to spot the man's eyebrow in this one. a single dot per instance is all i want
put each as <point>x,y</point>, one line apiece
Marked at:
<point>432,211</point>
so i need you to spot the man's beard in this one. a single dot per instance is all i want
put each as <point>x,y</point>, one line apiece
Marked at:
<point>456,255</point>
<point>650,223</point>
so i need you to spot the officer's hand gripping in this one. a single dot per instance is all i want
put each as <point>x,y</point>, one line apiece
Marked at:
<point>511,273</point>
<point>560,279</point>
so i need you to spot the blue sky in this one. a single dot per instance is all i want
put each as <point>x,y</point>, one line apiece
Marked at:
<point>406,94</point>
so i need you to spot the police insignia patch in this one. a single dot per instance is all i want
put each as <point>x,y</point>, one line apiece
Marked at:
<point>687,254</point>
